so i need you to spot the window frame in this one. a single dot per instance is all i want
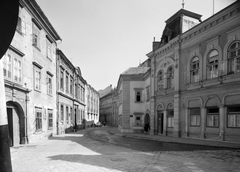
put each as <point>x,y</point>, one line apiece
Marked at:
<point>62,112</point>
<point>212,62</point>
<point>36,32</point>
<point>50,119</point>
<point>160,80</point>
<point>61,79</point>
<point>233,62</point>
<point>38,119</point>
<point>170,78</point>
<point>213,116</point>
<point>194,78</point>
<point>67,82</point>
<point>196,116</point>
<point>48,48</point>
<point>236,115</point>
<point>49,84</point>
<point>37,81</point>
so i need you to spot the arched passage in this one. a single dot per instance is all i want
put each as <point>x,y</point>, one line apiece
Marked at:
<point>16,123</point>
<point>147,118</point>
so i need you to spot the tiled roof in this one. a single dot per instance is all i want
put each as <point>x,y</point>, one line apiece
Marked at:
<point>135,70</point>
<point>105,91</point>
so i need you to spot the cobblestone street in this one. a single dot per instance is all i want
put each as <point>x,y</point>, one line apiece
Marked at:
<point>77,152</point>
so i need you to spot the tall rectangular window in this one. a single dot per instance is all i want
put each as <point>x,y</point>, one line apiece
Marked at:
<point>195,117</point>
<point>37,78</point>
<point>67,114</point>
<point>71,113</point>
<point>49,84</point>
<point>67,83</point>
<point>213,117</point>
<point>148,93</point>
<point>62,113</point>
<point>48,48</point>
<point>71,86</point>
<point>36,36</point>
<point>38,112</point>
<point>50,119</point>
<point>61,80</point>
<point>138,94</point>
<point>12,66</point>
<point>233,117</point>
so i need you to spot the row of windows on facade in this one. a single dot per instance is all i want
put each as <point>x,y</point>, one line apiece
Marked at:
<point>12,70</point>
<point>69,86</point>
<point>212,117</point>
<point>214,69</point>
<point>39,119</point>
<point>36,32</point>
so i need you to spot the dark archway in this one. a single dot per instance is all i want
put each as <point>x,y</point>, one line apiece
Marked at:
<point>16,123</point>
<point>147,118</point>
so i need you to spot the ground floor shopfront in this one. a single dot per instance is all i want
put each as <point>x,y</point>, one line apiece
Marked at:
<point>206,114</point>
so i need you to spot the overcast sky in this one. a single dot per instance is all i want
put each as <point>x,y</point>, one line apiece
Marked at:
<point>106,37</point>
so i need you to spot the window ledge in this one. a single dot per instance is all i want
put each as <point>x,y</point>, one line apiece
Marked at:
<point>231,77</point>
<point>211,82</point>
<point>138,102</point>
<point>193,86</point>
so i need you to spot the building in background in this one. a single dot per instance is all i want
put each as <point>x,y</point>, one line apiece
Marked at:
<point>29,68</point>
<point>134,99</point>
<point>70,95</point>
<point>92,106</point>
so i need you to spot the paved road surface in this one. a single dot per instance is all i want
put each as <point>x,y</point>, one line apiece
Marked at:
<point>77,152</point>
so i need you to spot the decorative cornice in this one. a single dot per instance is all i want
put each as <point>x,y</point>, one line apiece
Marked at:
<point>211,22</point>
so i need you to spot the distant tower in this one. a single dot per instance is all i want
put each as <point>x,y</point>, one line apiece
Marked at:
<point>183,4</point>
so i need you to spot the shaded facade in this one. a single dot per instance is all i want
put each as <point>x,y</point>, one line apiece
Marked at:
<point>70,95</point>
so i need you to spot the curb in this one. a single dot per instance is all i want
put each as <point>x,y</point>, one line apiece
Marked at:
<point>177,142</point>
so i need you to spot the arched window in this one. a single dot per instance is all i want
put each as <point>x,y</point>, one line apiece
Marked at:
<point>170,76</point>
<point>160,80</point>
<point>212,64</point>
<point>194,69</point>
<point>234,57</point>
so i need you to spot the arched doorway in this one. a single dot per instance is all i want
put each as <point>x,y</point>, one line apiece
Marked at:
<point>147,119</point>
<point>16,123</point>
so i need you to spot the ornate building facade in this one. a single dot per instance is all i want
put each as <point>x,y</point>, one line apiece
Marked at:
<point>193,81</point>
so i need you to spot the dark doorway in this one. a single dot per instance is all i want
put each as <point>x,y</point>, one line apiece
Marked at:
<point>160,122</point>
<point>13,126</point>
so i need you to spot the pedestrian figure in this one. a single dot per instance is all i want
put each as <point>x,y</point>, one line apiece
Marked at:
<point>146,128</point>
